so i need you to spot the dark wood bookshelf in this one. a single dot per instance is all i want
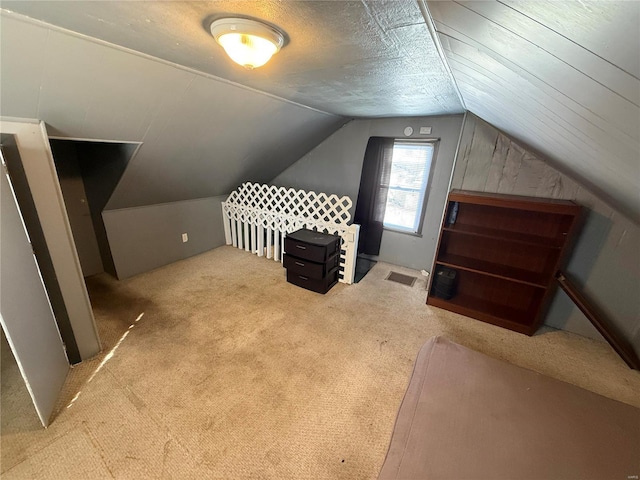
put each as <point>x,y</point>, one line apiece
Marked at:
<point>490,269</point>
<point>494,233</point>
<point>504,251</point>
<point>488,312</point>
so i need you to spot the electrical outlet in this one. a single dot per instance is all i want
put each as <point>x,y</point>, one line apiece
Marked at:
<point>185,238</point>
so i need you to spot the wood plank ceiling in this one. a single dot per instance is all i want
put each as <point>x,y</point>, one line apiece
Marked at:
<point>562,77</point>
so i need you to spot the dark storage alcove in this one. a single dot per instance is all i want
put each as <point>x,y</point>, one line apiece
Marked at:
<point>88,172</point>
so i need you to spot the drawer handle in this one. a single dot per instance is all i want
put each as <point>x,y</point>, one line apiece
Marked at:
<point>303,278</point>
<point>300,264</point>
<point>301,247</point>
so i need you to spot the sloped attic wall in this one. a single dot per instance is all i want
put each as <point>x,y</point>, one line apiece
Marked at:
<point>560,76</point>
<point>605,260</point>
<point>201,136</point>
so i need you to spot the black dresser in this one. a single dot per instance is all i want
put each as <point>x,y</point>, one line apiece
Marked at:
<point>312,259</point>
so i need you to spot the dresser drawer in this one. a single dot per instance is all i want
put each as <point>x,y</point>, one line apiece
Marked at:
<point>321,285</point>
<point>311,245</point>
<point>308,268</point>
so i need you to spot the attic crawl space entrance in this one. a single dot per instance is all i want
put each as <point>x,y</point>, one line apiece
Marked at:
<point>88,172</point>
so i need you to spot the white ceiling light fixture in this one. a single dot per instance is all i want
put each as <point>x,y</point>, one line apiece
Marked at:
<point>249,43</point>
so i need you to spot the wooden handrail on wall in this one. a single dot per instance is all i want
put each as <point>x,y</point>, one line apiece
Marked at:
<point>620,345</point>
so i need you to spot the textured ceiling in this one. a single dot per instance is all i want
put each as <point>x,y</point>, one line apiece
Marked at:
<point>350,58</point>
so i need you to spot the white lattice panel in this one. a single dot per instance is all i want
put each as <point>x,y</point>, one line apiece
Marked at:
<point>287,202</point>
<point>255,214</point>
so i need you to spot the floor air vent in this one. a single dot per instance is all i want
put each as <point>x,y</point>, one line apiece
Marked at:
<point>400,278</point>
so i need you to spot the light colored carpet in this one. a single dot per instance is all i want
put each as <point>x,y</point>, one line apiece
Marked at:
<point>233,373</point>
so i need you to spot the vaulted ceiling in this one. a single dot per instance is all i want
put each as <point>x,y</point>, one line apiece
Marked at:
<point>561,77</point>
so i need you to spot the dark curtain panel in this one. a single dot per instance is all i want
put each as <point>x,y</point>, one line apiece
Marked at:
<point>372,196</point>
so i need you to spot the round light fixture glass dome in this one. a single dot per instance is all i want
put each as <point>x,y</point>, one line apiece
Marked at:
<point>247,42</point>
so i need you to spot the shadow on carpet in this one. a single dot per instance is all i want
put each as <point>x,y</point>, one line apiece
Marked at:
<point>363,265</point>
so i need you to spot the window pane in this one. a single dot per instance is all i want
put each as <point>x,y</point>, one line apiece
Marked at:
<point>402,206</point>
<point>410,167</point>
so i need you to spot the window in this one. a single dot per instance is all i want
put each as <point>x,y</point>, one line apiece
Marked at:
<point>410,167</point>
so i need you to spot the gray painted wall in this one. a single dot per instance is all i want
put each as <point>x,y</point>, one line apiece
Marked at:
<point>25,312</point>
<point>335,166</point>
<point>606,257</point>
<point>33,144</point>
<point>29,213</point>
<point>16,402</point>
<point>144,238</point>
